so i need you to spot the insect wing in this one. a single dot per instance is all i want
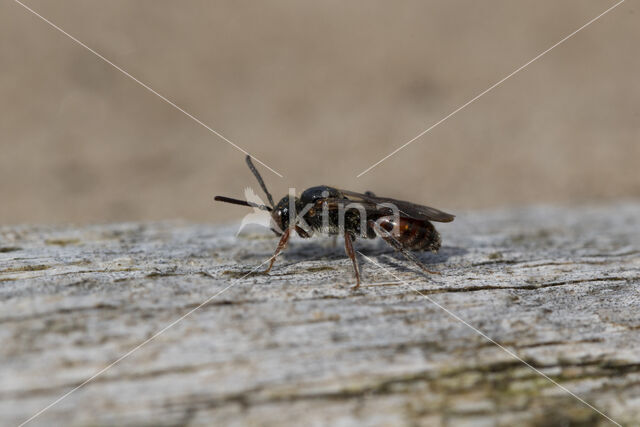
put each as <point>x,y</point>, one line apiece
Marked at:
<point>371,209</point>
<point>409,209</point>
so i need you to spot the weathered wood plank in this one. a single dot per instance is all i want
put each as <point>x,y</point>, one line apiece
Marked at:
<point>557,286</point>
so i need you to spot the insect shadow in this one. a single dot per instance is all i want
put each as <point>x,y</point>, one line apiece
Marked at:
<point>393,259</point>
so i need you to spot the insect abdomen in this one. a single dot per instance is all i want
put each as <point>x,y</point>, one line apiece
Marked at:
<point>414,234</point>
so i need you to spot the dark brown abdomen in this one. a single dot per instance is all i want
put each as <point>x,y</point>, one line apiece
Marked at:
<point>414,234</point>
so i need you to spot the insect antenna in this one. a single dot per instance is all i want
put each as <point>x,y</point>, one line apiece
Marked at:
<point>259,178</point>
<point>241,203</point>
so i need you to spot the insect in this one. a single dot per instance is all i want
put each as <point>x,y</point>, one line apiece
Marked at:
<point>405,226</point>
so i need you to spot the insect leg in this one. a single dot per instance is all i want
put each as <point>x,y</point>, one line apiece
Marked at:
<point>302,233</point>
<point>393,242</point>
<point>348,248</point>
<point>281,245</point>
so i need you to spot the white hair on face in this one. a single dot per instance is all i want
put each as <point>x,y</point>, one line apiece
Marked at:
<point>256,216</point>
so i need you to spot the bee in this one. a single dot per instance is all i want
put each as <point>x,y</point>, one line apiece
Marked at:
<point>405,226</point>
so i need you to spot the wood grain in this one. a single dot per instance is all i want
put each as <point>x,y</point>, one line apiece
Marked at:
<point>557,286</point>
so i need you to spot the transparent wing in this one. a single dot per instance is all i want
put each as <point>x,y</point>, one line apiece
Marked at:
<point>408,209</point>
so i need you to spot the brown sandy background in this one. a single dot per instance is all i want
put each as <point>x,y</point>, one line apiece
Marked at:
<point>319,91</point>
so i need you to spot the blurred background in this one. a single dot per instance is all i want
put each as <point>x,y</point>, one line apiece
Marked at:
<point>319,91</point>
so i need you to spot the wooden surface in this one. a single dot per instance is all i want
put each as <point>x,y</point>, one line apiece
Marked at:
<point>557,286</point>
